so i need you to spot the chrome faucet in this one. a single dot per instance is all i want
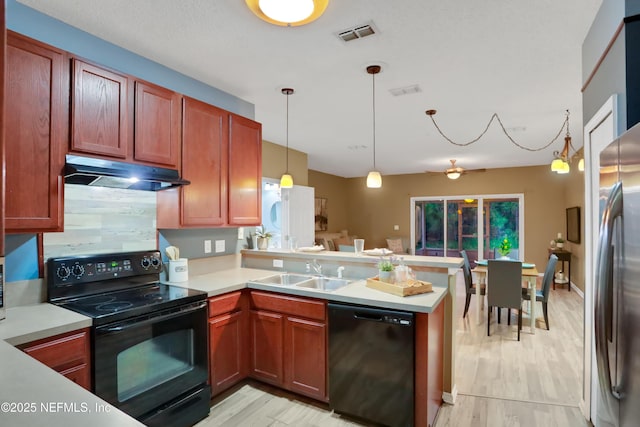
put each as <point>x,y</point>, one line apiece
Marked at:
<point>340,270</point>
<point>316,267</point>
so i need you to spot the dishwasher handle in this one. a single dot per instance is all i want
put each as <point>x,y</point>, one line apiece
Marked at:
<point>376,317</point>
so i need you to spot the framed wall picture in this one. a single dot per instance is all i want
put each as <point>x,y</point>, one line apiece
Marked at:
<point>573,224</point>
<point>321,214</point>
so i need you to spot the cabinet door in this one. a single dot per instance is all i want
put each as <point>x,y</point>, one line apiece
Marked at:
<point>228,353</point>
<point>266,347</point>
<point>245,171</point>
<point>157,125</point>
<point>305,357</point>
<point>3,49</point>
<point>36,135</point>
<point>68,354</point>
<point>204,163</point>
<point>99,111</point>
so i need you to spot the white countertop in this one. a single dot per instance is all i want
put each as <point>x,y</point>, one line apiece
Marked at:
<point>35,395</point>
<point>355,293</point>
<point>54,400</point>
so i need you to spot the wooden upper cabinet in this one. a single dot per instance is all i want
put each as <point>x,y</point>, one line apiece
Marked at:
<point>99,111</point>
<point>157,125</point>
<point>3,50</point>
<point>245,171</point>
<point>36,129</point>
<point>204,162</point>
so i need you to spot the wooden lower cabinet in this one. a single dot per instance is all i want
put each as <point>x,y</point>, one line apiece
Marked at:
<point>305,357</point>
<point>289,343</point>
<point>228,345</point>
<point>69,354</point>
<point>267,347</point>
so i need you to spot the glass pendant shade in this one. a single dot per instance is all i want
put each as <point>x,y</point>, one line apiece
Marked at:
<point>453,175</point>
<point>286,181</point>
<point>556,165</point>
<point>581,165</point>
<point>374,180</point>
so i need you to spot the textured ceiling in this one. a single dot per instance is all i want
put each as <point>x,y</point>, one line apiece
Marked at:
<point>518,58</point>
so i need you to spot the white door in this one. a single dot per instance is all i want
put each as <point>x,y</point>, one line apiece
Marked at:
<point>298,220</point>
<point>599,132</point>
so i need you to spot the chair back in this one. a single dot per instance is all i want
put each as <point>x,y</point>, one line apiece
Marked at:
<point>504,283</point>
<point>466,271</point>
<point>548,277</point>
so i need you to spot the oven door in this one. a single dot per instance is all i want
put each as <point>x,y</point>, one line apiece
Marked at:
<point>144,363</point>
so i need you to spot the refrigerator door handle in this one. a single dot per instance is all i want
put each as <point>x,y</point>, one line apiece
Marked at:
<point>613,210</point>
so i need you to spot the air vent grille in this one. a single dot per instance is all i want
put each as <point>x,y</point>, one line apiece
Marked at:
<point>399,91</point>
<point>357,32</point>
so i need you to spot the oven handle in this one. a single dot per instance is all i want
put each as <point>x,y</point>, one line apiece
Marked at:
<point>151,318</point>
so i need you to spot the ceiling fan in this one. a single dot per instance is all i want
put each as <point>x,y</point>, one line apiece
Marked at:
<point>454,172</point>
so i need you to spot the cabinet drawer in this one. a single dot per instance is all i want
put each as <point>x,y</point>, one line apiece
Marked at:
<point>226,303</point>
<point>286,304</point>
<point>61,352</point>
<point>80,375</point>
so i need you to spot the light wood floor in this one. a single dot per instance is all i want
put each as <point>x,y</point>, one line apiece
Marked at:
<point>501,382</point>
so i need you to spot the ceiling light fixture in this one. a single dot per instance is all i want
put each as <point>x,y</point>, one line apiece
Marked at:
<point>560,163</point>
<point>374,179</point>
<point>453,172</point>
<point>287,13</point>
<point>287,180</point>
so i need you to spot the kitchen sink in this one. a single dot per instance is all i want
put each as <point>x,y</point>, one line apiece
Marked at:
<point>324,283</point>
<point>285,279</point>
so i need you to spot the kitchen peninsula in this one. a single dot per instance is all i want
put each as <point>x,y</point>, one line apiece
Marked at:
<point>435,343</point>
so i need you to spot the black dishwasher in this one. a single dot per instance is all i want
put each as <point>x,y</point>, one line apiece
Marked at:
<point>371,360</point>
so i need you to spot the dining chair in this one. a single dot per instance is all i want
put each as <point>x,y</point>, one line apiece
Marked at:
<point>468,282</point>
<point>504,288</point>
<point>542,295</point>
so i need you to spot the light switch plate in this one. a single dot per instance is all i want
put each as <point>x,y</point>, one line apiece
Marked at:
<point>207,246</point>
<point>240,233</point>
<point>219,246</point>
<point>278,263</point>
<point>396,227</point>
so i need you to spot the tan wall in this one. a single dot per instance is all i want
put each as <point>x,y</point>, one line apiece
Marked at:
<point>274,162</point>
<point>372,213</point>
<point>574,196</point>
<point>332,188</point>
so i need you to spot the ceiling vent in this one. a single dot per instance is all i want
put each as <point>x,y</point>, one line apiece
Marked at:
<point>399,91</point>
<point>357,32</point>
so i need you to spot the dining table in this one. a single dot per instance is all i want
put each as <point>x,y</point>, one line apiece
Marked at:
<point>529,276</point>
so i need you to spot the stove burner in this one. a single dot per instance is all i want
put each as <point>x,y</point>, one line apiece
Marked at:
<point>114,306</point>
<point>157,296</point>
<point>99,300</point>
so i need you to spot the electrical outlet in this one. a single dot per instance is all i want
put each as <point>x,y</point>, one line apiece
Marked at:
<point>219,246</point>
<point>396,227</point>
<point>240,233</point>
<point>278,263</point>
<point>207,246</point>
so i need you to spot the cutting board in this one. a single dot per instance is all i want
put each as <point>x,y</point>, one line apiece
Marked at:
<point>412,287</point>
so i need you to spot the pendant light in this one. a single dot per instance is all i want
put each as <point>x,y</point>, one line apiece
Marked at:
<point>287,180</point>
<point>374,179</point>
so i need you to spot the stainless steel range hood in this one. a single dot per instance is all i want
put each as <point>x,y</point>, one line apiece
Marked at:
<point>109,173</point>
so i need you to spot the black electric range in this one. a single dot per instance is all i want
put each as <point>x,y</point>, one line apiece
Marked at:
<point>148,340</point>
<point>111,287</point>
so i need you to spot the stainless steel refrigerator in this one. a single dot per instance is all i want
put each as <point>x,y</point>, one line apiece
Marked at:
<point>617,289</point>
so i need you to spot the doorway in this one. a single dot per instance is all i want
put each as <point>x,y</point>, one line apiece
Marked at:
<point>478,224</point>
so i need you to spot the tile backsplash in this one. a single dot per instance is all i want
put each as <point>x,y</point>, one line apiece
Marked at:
<point>103,220</point>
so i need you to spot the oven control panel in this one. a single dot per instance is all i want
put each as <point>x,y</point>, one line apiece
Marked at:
<point>93,268</point>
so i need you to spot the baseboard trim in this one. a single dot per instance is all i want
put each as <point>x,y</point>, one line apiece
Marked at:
<point>450,398</point>
<point>577,289</point>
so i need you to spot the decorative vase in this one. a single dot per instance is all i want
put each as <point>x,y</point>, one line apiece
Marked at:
<point>263,243</point>
<point>559,245</point>
<point>504,257</point>
<point>385,276</point>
